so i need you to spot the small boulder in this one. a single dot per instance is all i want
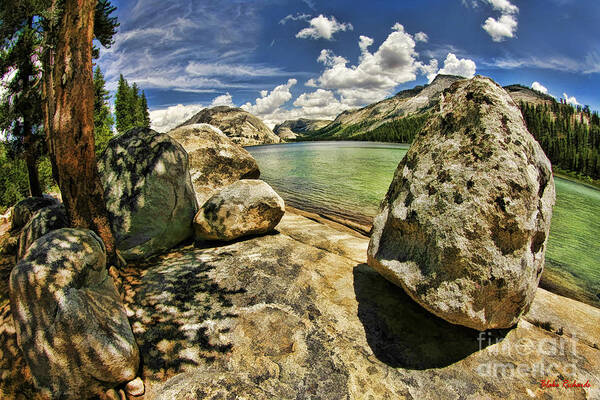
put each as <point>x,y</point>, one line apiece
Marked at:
<point>26,208</point>
<point>246,207</point>
<point>148,192</point>
<point>45,220</point>
<point>71,325</point>
<point>215,161</point>
<point>464,225</point>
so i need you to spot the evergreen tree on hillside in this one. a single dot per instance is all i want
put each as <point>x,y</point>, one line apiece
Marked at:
<point>131,108</point>
<point>122,111</point>
<point>145,113</point>
<point>569,136</point>
<point>103,120</point>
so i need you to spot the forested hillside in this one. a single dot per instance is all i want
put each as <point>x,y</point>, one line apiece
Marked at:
<point>570,136</point>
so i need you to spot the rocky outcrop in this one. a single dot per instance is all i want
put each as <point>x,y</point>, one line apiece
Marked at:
<point>244,208</point>
<point>464,225</point>
<point>45,220</point>
<point>292,129</point>
<point>70,323</point>
<point>25,209</point>
<point>240,126</point>
<point>215,161</point>
<point>299,315</point>
<point>148,192</point>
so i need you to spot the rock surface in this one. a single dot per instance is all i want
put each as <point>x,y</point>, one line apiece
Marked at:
<point>45,220</point>
<point>148,192</point>
<point>299,315</point>
<point>26,208</point>
<point>464,225</point>
<point>246,207</point>
<point>70,323</point>
<point>240,126</point>
<point>215,161</point>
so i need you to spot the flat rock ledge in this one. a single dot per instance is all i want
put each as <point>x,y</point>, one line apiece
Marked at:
<point>298,314</point>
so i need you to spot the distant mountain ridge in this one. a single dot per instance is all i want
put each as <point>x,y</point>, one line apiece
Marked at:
<point>291,129</point>
<point>418,100</point>
<point>406,110</point>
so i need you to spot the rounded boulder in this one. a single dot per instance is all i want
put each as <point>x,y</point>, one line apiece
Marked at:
<point>148,192</point>
<point>464,225</point>
<point>244,208</point>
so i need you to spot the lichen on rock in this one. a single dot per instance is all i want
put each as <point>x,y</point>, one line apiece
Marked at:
<point>464,225</point>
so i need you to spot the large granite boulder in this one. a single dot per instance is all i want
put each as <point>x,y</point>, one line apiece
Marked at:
<point>45,220</point>
<point>71,325</point>
<point>215,161</point>
<point>246,207</point>
<point>464,225</point>
<point>239,125</point>
<point>26,208</point>
<point>148,192</point>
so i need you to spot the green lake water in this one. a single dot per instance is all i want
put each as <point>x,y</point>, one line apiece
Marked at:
<point>349,180</point>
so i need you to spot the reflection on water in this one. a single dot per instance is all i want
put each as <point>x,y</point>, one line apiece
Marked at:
<point>349,179</point>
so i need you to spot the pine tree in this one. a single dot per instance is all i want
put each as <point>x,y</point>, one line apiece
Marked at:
<point>145,113</point>
<point>131,108</point>
<point>103,120</point>
<point>21,105</point>
<point>122,106</point>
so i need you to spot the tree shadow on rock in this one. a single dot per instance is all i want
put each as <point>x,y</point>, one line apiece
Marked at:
<point>173,299</point>
<point>402,334</point>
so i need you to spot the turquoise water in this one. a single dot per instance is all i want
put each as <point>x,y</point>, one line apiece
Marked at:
<point>349,179</point>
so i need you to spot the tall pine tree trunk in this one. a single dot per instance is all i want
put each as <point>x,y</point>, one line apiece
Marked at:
<point>28,139</point>
<point>69,120</point>
<point>31,162</point>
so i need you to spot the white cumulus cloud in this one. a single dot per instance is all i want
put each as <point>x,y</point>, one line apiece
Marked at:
<point>504,6</point>
<point>539,87</point>
<point>500,29</point>
<point>222,100</point>
<point>571,100</point>
<point>421,37</point>
<point>165,119</point>
<point>376,74</point>
<point>452,66</point>
<point>322,27</point>
<point>270,102</point>
<point>505,26</point>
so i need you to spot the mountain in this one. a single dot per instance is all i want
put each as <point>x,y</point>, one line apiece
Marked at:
<point>240,126</point>
<point>524,94</point>
<point>416,101</point>
<point>291,129</point>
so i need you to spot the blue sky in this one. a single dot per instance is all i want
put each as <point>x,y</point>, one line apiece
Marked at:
<point>315,58</point>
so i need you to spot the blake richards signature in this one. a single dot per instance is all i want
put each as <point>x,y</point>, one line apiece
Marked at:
<point>566,384</point>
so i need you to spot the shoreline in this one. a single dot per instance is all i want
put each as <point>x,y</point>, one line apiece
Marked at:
<point>364,231</point>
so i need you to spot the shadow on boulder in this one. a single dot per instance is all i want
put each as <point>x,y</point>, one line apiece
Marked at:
<point>402,334</point>
<point>172,300</point>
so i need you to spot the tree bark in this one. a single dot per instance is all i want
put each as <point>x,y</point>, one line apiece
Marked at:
<point>69,120</point>
<point>35,189</point>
